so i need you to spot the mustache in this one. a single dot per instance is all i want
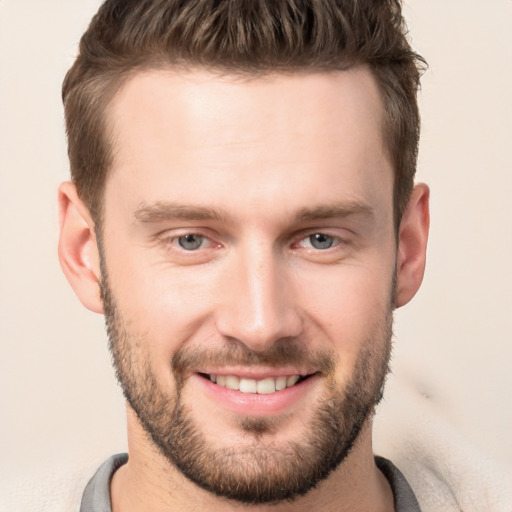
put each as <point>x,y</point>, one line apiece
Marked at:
<point>281,353</point>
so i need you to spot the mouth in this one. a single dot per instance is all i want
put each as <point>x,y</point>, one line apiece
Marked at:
<point>264,386</point>
<point>258,392</point>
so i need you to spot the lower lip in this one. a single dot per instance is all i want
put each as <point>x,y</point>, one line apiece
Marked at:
<point>254,404</point>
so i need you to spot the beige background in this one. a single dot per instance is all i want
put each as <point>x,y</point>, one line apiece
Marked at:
<point>58,398</point>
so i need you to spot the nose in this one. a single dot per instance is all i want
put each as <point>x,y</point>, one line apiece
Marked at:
<point>258,305</point>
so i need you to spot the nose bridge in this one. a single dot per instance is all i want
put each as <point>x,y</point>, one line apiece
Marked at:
<point>259,308</point>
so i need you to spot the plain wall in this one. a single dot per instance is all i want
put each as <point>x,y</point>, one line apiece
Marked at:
<point>58,397</point>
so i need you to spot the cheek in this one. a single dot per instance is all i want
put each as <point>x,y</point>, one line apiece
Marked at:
<point>350,306</point>
<point>166,305</point>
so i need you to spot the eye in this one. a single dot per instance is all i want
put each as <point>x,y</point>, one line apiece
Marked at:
<point>191,241</point>
<point>321,241</point>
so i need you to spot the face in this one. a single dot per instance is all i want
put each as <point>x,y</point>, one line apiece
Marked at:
<point>248,261</point>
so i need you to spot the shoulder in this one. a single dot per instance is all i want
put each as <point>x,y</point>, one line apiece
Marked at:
<point>445,470</point>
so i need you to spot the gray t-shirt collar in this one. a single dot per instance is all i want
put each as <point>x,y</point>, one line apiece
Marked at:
<point>96,497</point>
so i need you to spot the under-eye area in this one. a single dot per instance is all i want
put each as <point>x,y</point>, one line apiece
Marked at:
<point>261,386</point>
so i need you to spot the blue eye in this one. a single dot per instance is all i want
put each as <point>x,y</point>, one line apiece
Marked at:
<point>191,242</point>
<point>321,241</point>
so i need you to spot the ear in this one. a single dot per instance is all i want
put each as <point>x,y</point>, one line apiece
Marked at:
<point>412,245</point>
<point>78,249</point>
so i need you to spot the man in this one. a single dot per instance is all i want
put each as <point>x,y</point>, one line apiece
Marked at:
<point>243,212</point>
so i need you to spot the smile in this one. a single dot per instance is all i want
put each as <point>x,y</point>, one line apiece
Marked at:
<point>264,386</point>
<point>257,395</point>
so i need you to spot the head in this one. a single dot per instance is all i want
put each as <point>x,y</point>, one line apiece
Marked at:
<point>243,213</point>
<point>243,38</point>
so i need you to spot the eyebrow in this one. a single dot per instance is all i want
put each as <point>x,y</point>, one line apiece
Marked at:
<point>162,211</point>
<point>335,211</point>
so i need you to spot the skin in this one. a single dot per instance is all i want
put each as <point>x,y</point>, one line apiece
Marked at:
<point>258,153</point>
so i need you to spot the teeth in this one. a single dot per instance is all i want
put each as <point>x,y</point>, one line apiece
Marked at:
<point>248,386</point>
<point>262,387</point>
<point>281,383</point>
<point>266,386</point>
<point>290,381</point>
<point>232,382</point>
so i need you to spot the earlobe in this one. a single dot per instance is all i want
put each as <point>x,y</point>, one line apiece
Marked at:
<point>412,245</point>
<point>78,250</point>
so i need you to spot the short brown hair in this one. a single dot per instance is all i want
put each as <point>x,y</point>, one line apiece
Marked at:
<point>239,36</point>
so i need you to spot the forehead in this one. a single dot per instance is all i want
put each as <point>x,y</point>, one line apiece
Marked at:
<point>174,130</point>
<point>187,103</point>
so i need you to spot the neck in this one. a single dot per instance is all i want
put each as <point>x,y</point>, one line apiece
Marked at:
<point>149,482</point>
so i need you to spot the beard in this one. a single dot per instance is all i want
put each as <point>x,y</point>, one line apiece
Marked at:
<point>260,471</point>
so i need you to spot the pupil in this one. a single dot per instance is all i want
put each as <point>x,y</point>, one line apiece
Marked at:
<point>321,241</point>
<point>190,242</point>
